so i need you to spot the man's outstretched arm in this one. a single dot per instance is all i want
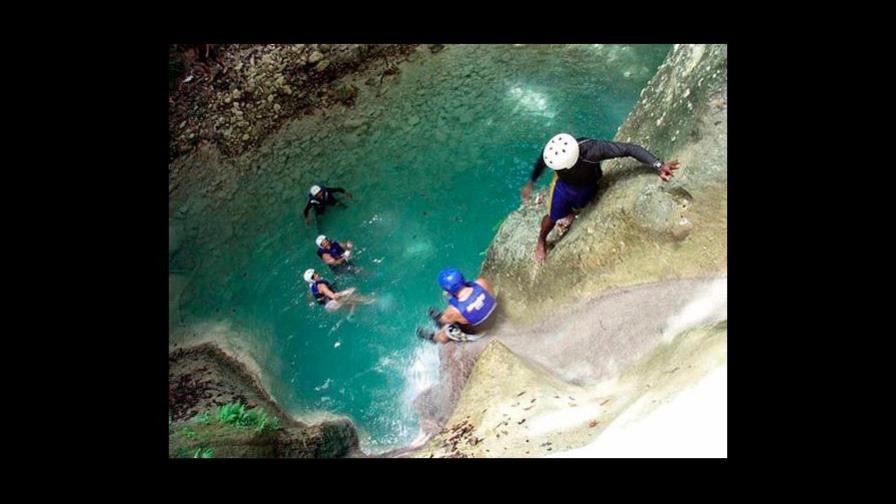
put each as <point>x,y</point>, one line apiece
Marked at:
<point>537,170</point>
<point>598,150</point>
<point>340,190</point>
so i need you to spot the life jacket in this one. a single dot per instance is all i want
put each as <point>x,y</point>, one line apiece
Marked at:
<point>335,250</point>
<point>478,305</point>
<point>319,296</point>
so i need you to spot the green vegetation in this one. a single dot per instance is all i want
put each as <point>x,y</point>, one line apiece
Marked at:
<point>236,414</point>
<point>194,440</point>
<point>203,453</point>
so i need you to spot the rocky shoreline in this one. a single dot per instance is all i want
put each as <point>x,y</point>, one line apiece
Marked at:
<point>203,377</point>
<point>232,102</point>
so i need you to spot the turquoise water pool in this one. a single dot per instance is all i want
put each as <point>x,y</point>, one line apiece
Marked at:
<point>434,164</point>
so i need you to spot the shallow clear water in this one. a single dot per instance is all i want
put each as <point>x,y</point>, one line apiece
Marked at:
<point>434,165</point>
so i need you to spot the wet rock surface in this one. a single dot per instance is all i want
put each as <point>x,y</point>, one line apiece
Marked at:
<point>583,344</point>
<point>515,407</point>
<point>640,231</point>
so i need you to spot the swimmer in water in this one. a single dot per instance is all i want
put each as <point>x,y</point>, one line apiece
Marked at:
<point>319,197</point>
<point>325,293</point>
<point>335,255</point>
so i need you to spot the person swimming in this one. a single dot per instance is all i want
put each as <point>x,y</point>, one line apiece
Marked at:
<point>334,255</point>
<point>325,293</point>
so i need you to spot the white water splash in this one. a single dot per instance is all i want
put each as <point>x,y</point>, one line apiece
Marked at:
<point>531,101</point>
<point>708,306</point>
<point>418,249</point>
<point>325,385</point>
<point>419,376</point>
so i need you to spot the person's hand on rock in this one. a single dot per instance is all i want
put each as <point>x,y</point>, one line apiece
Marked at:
<point>526,192</point>
<point>666,170</point>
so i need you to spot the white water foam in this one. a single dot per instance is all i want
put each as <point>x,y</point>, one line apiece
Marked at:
<point>708,306</point>
<point>419,376</point>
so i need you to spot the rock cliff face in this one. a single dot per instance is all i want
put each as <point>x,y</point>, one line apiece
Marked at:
<point>631,306</point>
<point>640,229</point>
<point>514,407</point>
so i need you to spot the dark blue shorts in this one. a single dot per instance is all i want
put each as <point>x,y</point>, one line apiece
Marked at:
<point>566,198</point>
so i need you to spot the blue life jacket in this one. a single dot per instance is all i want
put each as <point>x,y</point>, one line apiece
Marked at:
<point>477,307</point>
<point>335,250</point>
<point>318,295</point>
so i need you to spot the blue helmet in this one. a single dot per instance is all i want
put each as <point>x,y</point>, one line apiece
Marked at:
<point>451,280</point>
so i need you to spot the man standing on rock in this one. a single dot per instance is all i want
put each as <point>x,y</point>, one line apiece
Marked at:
<point>319,197</point>
<point>576,165</point>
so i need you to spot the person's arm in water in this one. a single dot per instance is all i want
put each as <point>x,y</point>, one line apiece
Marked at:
<point>340,190</point>
<point>327,292</point>
<point>598,150</point>
<point>305,213</point>
<point>331,261</point>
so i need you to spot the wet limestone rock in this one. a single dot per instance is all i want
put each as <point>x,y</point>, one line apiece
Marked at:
<point>639,229</point>
<point>497,401</point>
<point>513,407</point>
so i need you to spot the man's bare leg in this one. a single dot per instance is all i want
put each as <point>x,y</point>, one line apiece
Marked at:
<point>564,224</point>
<point>441,336</point>
<point>541,253</point>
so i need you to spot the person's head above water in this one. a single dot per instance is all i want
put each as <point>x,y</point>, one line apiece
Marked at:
<point>451,280</point>
<point>314,191</point>
<point>310,275</point>
<point>561,152</point>
<point>322,240</point>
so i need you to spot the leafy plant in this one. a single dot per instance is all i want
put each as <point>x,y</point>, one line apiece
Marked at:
<point>188,433</point>
<point>202,418</point>
<point>237,415</point>
<point>203,453</point>
<point>231,413</point>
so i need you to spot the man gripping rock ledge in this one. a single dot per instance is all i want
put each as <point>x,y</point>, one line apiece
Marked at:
<point>576,165</point>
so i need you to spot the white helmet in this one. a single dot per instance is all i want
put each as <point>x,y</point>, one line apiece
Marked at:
<point>561,152</point>
<point>314,190</point>
<point>308,274</point>
<point>320,239</point>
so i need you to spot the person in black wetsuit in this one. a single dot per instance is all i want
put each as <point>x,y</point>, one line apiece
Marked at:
<point>334,254</point>
<point>576,166</point>
<point>319,197</point>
